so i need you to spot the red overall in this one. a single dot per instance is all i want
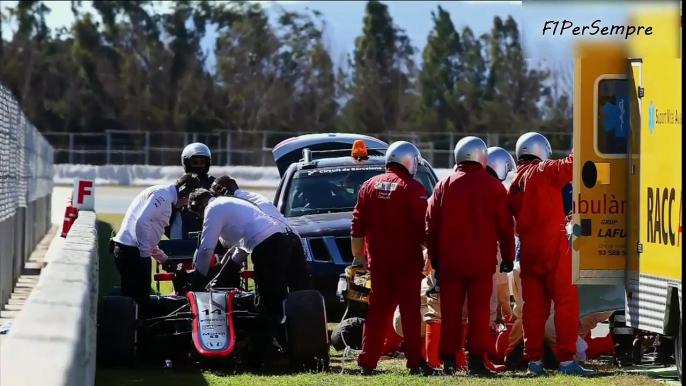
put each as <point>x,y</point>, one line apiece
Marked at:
<point>389,215</point>
<point>467,216</point>
<point>546,258</point>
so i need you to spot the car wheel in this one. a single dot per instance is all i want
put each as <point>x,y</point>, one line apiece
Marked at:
<point>116,333</point>
<point>678,352</point>
<point>306,331</point>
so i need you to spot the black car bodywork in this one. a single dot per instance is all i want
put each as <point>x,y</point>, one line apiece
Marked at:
<point>326,233</point>
<point>217,326</point>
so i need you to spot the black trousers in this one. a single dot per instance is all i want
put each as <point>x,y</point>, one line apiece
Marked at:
<point>135,273</point>
<point>270,261</point>
<point>296,269</point>
<point>298,277</point>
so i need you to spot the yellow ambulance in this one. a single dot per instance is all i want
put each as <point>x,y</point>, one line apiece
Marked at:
<point>627,216</point>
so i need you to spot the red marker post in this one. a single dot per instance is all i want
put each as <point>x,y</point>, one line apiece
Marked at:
<point>82,198</point>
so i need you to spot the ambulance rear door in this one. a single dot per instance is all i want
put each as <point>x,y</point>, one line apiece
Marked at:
<point>601,129</point>
<point>634,175</point>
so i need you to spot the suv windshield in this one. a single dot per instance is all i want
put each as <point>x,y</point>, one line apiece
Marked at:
<point>330,190</point>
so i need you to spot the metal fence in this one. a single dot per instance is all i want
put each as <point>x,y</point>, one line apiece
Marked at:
<point>26,174</point>
<point>242,148</point>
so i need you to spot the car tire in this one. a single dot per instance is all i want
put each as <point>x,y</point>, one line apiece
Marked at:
<point>116,332</point>
<point>306,331</point>
<point>678,352</point>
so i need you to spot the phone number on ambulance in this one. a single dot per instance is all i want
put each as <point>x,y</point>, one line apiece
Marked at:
<point>611,252</point>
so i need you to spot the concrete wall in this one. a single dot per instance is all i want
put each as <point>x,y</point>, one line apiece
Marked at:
<point>52,342</point>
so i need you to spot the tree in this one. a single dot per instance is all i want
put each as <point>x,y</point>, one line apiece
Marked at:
<point>557,111</point>
<point>472,83</point>
<point>143,69</point>
<point>513,91</point>
<point>441,72</point>
<point>307,74</point>
<point>382,66</point>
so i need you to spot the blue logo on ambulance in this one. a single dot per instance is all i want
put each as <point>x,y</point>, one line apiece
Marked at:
<point>651,117</point>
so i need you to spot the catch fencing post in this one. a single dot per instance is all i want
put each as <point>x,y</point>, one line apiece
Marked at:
<point>71,148</point>
<point>108,150</point>
<point>147,148</point>
<point>228,147</point>
<point>264,149</point>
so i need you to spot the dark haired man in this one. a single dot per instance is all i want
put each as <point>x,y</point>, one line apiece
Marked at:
<point>297,268</point>
<point>140,232</point>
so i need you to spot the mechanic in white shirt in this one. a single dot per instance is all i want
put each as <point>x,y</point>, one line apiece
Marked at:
<point>243,225</point>
<point>298,278</point>
<point>140,232</point>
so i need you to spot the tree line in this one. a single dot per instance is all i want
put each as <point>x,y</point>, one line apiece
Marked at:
<point>142,69</point>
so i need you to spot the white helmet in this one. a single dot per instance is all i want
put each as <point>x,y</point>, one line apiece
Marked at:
<point>471,149</point>
<point>533,144</point>
<point>196,149</point>
<point>404,154</point>
<point>500,161</point>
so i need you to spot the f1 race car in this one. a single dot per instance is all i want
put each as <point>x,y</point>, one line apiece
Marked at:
<point>218,326</point>
<point>320,177</point>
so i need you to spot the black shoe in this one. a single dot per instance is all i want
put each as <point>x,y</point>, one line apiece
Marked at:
<point>366,371</point>
<point>665,352</point>
<point>514,359</point>
<point>549,358</point>
<point>423,370</point>
<point>476,366</point>
<point>449,364</point>
<point>664,359</point>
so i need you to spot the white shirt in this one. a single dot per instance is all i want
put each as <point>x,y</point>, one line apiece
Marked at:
<point>239,223</point>
<point>263,203</point>
<point>146,218</point>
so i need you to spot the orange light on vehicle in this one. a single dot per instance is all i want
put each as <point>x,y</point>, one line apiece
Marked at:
<point>359,149</point>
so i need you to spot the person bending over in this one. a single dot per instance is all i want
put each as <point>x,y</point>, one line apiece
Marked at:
<point>244,226</point>
<point>298,275</point>
<point>140,232</point>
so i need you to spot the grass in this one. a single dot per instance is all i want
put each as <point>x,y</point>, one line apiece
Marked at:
<point>391,372</point>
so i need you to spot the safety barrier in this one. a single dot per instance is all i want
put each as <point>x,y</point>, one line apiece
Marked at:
<point>53,339</point>
<point>26,182</point>
<point>147,175</point>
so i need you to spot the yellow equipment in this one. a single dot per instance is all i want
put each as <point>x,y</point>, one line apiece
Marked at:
<point>627,171</point>
<point>355,284</point>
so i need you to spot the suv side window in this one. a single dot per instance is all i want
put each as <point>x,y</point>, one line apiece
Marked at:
<point>426,178</point>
